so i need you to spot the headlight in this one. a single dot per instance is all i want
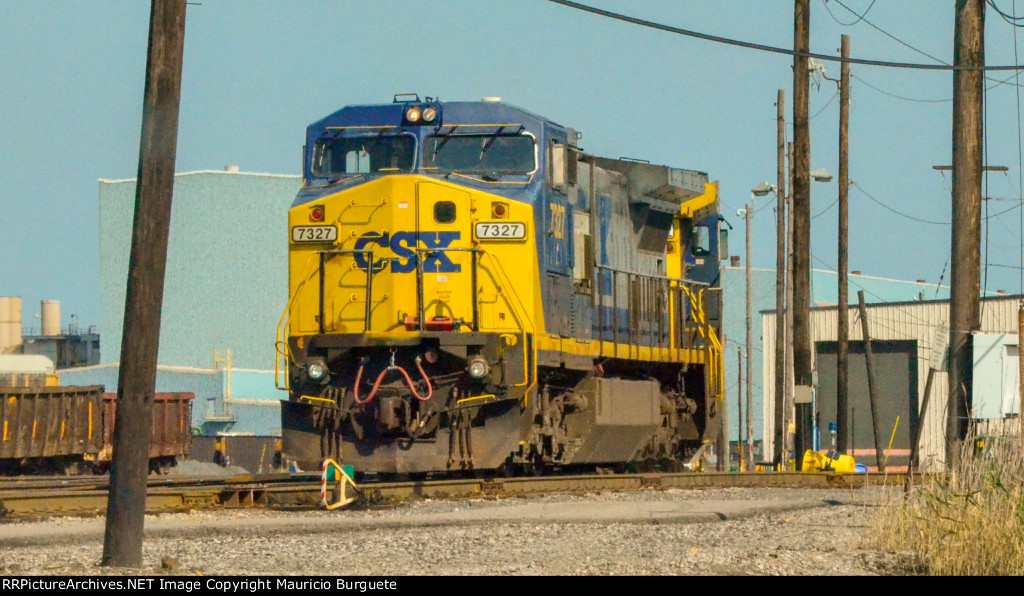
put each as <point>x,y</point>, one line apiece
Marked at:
<point>412,115</point>
<point>478,367</point>
<point>316,371</point>
<point>429,114</point>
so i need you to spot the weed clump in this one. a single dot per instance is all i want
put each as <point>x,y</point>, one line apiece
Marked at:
<point>969,522</point>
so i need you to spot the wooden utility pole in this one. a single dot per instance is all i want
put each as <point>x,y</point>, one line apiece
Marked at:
<point>842,350</point>
<point>126,507</point>
<point>872,384</point>
<point>801,304</point>
<point>741,436</point>
<point>780,282</point>
<point>1020,366</point>
<point>790,412</point>
<point>965,269</point>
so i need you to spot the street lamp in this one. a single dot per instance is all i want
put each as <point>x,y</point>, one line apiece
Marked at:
<point>761,190</point>
<point>821,175</point>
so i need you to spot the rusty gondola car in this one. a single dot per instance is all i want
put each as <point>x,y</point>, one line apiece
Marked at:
<point>71,429</point>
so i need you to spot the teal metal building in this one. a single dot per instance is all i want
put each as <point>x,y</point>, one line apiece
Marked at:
<point>225,289</point>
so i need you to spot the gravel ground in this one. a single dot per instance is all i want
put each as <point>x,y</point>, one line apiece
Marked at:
<point>705,532</point>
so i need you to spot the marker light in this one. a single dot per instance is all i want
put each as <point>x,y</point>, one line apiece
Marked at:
<point>316,371</point>
<point>478,367</point>
<point>498,210</point>
<point>429,114</point>
<point>412,115</point>
<point>316,213</point>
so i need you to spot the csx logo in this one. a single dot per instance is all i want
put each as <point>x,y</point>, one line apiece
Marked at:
<point>403,245</point>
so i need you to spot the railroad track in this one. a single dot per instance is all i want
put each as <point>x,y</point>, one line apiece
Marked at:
<point>36,498</point>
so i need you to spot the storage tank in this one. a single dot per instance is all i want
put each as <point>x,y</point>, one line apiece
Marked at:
<point>27,370</point>
<point>10,323</point>
<point>50,317</point>
<point>5,335</point>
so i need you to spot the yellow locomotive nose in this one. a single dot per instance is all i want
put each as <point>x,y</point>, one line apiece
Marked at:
<point>399,254</point>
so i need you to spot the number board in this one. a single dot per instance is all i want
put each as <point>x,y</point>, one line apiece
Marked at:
<point>500,230</point>
<point>314,234</point>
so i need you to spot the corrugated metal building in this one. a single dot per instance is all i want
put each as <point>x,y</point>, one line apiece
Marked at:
<point>824,289</point>
<point>903,334</point>
<point>226,286</point>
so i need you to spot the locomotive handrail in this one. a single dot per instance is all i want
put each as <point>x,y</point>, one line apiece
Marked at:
<point>419,282</point>
<point>474,272</point>
<point>279,339</point>
<point>666,285</point>
<point>528,381</point>
<point>713,346</point>
<point>369,282</point>
<point>321,318</point>
<point>682,280</point>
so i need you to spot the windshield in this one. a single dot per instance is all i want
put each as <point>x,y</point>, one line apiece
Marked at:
<point>363,155</point>
<point>480,154</point>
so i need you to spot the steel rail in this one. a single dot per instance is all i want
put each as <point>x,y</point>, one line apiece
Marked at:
<point>287,492</point>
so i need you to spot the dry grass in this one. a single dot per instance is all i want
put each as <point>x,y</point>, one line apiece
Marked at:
<point>969,523</point>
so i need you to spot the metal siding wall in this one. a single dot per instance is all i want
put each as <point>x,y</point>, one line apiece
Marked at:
<point>226,282</point>
<point>824,323</point>
<point>913,322</point>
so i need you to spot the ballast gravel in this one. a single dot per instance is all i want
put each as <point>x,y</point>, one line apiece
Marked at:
<point>652,532</point>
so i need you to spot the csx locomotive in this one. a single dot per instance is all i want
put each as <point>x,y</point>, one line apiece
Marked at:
<point>469,290</point>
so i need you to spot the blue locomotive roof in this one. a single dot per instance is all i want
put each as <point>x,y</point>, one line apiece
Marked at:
<point>365,119</point>
<point>452,112</point>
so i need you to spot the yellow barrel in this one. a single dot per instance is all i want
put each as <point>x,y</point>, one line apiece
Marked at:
<point>828,461</point>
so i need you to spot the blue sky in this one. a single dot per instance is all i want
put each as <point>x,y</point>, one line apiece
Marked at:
<point>257,72</point>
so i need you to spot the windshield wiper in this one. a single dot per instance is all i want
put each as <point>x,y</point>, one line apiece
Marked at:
<point>490,141</point>
<point>444,139</point>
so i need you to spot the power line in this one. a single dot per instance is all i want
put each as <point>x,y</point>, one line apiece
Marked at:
<point>998,213</point>
<point>943,274</point>
<point>946,100</point>
<point>926,221</point>
<point>763,207</point>
<point>827,104</point>
<point>859,17</point>
<point>903,43</point>
<point>911,217</point>
<point>869,85</point>
<point>893,37</point>
<point>773,49</point>
<point>1009,18</point>
<point>831,269</point>
<point>826,209</point>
